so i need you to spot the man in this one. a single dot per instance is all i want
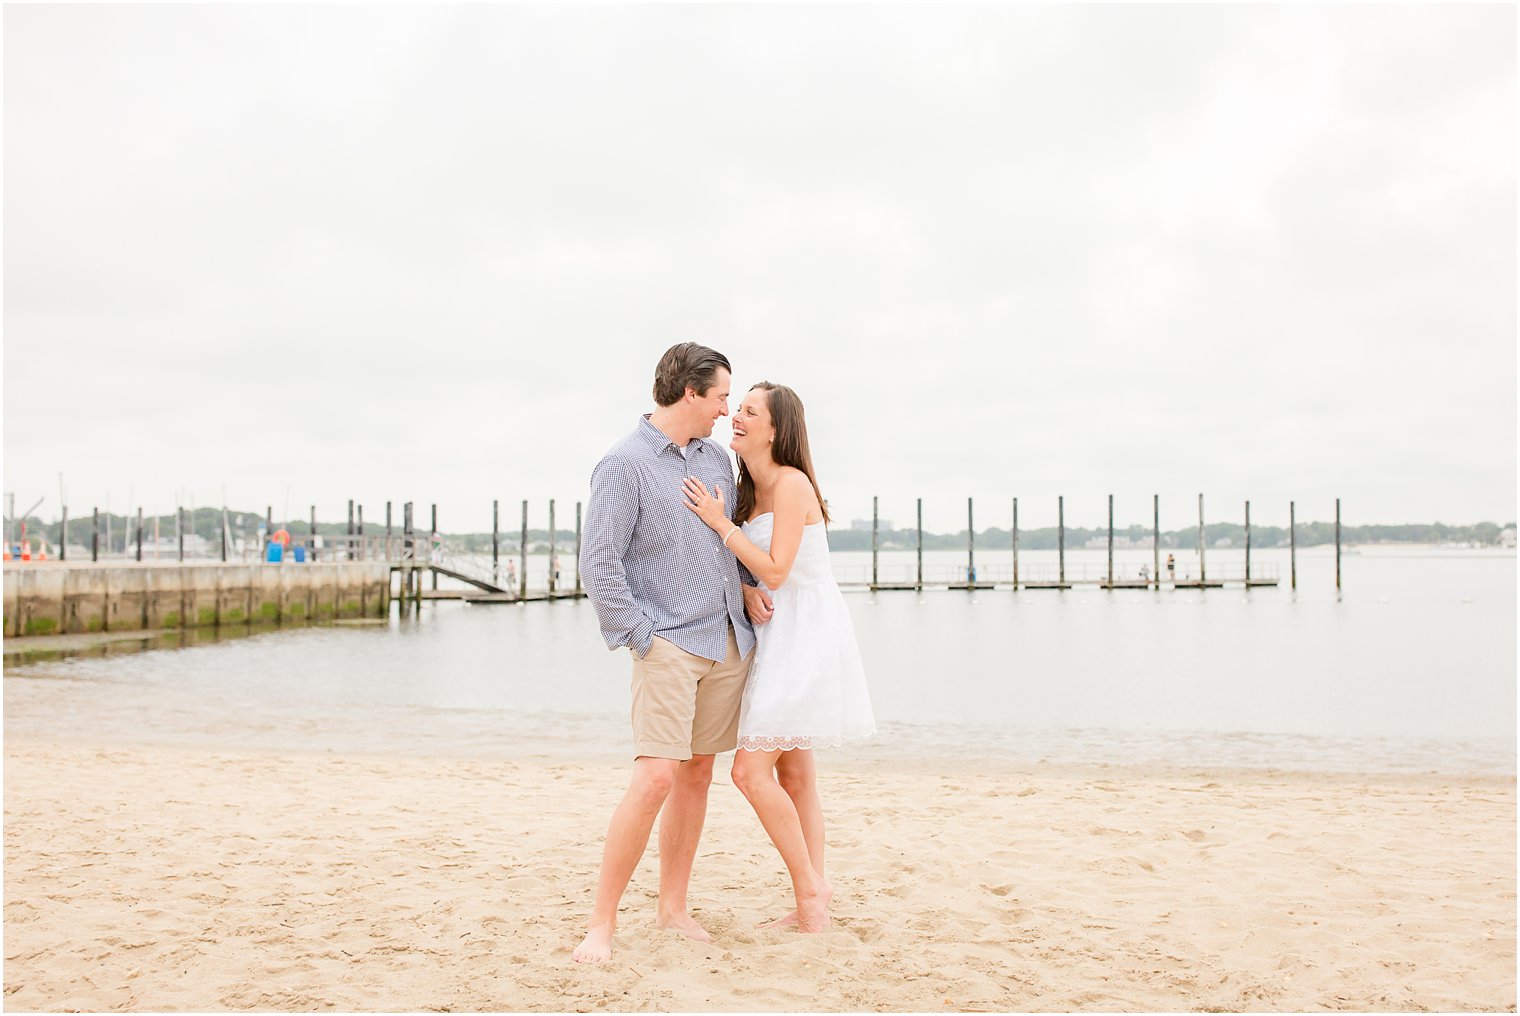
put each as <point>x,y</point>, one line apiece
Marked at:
<point>664,585</point>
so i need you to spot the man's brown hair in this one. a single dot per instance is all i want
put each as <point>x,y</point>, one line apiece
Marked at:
<point>686,365</point>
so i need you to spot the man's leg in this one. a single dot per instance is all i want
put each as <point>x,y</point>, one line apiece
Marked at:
<point>680,831</point>
<point>627,836</point>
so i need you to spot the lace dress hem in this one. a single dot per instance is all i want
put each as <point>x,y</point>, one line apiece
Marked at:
<point>789,742</point>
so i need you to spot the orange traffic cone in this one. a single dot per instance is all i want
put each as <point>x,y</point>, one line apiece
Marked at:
<point>26,550</point>
<point>42,551</point>
<point>7,551</point>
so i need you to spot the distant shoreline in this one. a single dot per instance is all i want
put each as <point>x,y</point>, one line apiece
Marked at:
<point>204,528</point>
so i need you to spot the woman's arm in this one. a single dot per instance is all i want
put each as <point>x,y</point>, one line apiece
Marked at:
<point>794,499</point>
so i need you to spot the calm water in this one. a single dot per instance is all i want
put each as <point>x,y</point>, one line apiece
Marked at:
<point>1413,667</point>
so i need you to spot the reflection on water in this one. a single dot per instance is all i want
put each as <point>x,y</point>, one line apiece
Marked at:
<point>21,653</point>
<point>1411,669</point>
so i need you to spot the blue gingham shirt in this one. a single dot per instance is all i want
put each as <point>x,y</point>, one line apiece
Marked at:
<point>650,565</point>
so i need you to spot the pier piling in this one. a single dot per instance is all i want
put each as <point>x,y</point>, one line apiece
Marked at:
<point>1292,546</point>
<point>1248,544</point>
<point>1202,574</point>
<point>495,541</point>
<point>1110,541</point>
<point>522,553</point>
<point>553,567</point>
<point>139,533</point>
<point>1156,538</point>
<point>875,542</point>
<point>577,548</point>
<point>95,536</point>
<point>63,538</point>
<point>919,584</point>
<point>1061,536</point>
<point>409,541</point>
<point>432,543</point>
<point>1337,545</point>
<point>1015,534</point>
<point>970,545</point>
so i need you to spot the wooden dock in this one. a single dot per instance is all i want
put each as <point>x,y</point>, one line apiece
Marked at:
<point>971,579</point>
<point>1132,584</point>
<point>476,596</point>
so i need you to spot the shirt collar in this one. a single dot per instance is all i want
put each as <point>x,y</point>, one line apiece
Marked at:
<point>656,439</point>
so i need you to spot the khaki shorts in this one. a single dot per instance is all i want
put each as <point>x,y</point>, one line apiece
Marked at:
<point>684,705</point>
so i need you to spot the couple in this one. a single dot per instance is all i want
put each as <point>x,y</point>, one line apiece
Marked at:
<point>719,661</point>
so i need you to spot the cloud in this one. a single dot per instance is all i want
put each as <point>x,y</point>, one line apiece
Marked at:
<point>433,253</point>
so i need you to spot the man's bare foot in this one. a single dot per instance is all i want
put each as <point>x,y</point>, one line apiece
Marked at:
<point>596,947</point>
<point>683,924</point>
<point>790,920</point>
<point>813,911</point>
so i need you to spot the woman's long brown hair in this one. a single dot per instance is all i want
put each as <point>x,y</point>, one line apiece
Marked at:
<point>789,449</point>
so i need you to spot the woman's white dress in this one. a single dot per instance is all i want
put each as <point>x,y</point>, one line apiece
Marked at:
<point>806,686</point>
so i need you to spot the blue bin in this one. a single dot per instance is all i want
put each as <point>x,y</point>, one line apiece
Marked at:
<point>300,553</point>
<point>274,553</point>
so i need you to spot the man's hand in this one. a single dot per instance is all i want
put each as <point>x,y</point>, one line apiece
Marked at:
<point>757,604</point>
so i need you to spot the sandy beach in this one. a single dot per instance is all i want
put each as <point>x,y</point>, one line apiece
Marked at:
<point>156,878</point>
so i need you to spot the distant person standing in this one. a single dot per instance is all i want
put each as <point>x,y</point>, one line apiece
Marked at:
<point>1171,568</point>
<point>664,585</point>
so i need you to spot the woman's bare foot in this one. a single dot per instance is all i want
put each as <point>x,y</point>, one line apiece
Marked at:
<point>788,921</point>
<point>683,923</point>
<point>813,911</point>
<point>596,947</point>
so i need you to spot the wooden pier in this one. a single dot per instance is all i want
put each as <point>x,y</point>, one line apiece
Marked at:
<point>292,579</point>
<point>272,585</point>
<point>474,596</point>
<point>973,579</point>
<point>413,559</point>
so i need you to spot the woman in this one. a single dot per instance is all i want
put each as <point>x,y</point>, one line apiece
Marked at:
<point>806,688</point>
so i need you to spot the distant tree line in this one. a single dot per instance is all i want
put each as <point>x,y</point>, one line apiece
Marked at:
<point>207,523</point>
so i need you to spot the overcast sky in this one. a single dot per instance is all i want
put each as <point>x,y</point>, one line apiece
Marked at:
<point>303,254</point>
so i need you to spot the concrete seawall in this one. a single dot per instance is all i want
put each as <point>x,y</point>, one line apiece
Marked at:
<point>58,598</point>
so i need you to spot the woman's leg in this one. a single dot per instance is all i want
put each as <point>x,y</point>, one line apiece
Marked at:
<point>755,776</point>
<point>798,777</point>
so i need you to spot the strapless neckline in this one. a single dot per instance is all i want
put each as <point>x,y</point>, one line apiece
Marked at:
<point>762,515</point>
